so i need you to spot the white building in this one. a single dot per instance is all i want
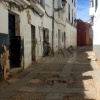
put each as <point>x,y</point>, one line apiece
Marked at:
<point>26,24</point>
<point>71,31</point>
<point>95,19</point>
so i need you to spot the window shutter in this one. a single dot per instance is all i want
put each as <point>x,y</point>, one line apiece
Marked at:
<point>42,3</point>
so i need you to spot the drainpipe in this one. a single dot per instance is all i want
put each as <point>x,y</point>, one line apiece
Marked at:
<point>53,30</point>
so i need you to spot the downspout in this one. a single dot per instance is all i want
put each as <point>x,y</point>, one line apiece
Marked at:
<point>53,29</point>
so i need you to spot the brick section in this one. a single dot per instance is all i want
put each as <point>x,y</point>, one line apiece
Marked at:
<point>83,33</point>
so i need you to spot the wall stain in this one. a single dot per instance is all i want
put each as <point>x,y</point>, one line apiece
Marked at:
<point>28,16</point>
<point>17,28</point>
<point>4,56</point>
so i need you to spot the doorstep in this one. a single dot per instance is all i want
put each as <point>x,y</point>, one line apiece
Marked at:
<point>15,70</point>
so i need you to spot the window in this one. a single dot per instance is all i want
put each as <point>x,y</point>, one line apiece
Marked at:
<point>74,3</point>
<point>96,4</point>
<point>42,2</point>
<point>68,12</point>
<point>62,37</point>
<point>92,3</point>
<point>72,16</point>
<point>92,20</point>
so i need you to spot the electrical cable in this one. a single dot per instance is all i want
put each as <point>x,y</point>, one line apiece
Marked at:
<point>53,18</point>
<point>21,8</point>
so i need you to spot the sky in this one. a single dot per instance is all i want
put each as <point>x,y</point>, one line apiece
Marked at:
<point>83,9</point>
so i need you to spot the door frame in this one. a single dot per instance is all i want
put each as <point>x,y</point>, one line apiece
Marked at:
<point>34,42</point>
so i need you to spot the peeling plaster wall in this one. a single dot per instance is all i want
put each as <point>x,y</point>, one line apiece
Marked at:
<point>25,33</point>
<point>4,35</point>
<point>24,20</point>
<point>37,22</point>
<point>4,44</point>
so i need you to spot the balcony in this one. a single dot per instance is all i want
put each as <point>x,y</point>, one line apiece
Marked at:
<point>91,12</point>
<point>38,5</point>
<point>21,2</point>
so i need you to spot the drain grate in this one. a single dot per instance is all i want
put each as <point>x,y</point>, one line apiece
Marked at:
<point>55,67</point>
<point>80,97</point>
<point>28,96</point>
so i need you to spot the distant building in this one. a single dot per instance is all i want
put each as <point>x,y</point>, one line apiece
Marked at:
<point>83,38</point>
<point>71,29</point>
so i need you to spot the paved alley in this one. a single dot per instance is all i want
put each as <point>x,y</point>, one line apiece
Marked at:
<point>69,77</point>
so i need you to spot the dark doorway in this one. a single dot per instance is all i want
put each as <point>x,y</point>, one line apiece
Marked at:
<point>14,44</point>
<point>64,40</point>
<point>59,39</point>
<point>34,42</point>
<point>45,41</point>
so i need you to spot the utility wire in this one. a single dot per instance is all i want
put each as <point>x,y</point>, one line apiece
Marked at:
<point>21,8</point>
<point>53,18</point>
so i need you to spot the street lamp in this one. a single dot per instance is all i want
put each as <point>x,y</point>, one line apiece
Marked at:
<point>63,4</point>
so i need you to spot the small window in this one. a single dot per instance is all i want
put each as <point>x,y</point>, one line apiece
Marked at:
<point>92,3</point>
<point>74,3</point>
<point>68,12</point>
<point>62,37</point>
<point>72,16</point>
<point>96,5</point>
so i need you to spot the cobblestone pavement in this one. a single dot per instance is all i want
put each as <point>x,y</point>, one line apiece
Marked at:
<point>68,77</point>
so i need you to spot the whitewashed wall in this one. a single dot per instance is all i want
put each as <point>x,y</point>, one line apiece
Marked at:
<point>96,32</point>
<point>71,31</point>
<point>96,28</point>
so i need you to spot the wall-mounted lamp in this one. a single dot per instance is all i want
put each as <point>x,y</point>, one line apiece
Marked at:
<point>63,4</point>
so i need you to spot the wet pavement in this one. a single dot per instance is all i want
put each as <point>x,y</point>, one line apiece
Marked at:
<point>68,77</point>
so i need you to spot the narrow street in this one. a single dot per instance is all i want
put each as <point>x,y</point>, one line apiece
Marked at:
<point>68,77</point>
